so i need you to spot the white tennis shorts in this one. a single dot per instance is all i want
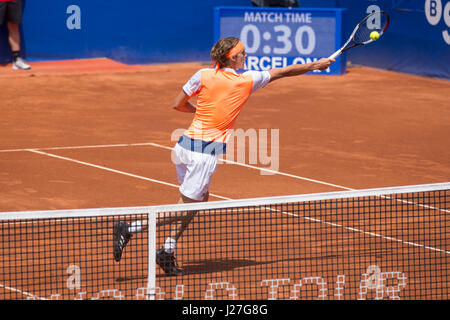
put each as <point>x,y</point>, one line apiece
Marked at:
<point>194,171</point>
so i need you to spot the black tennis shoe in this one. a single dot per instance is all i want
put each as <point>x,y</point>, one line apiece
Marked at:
<point>121,238</point>
<point>167,262</point>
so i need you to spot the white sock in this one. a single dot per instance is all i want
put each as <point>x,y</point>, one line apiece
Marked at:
<point>169,245</point>
<point>135,227</point>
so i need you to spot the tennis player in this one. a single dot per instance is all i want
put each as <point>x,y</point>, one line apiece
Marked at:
<point>221,94</point>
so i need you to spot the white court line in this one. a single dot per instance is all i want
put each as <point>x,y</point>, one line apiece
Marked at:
<point>81,147</point>
<point>114,171</point>
<point>373,234</point>
<point>223,160</point>
<point>269,170</point>
<point>170,148</point>
<point>29,295</point>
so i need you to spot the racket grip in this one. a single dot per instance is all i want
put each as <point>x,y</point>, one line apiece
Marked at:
<point>336,54</point>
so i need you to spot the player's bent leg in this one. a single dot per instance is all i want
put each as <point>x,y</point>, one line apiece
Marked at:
<point>122,233</point>
<point>121,236</point>
<point>165,256</point>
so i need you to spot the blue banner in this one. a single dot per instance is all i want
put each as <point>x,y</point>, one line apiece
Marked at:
<point>128,31</point>
<point>417,40</point>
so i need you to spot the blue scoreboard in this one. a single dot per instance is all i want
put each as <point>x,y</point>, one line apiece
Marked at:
<point>277,37</point>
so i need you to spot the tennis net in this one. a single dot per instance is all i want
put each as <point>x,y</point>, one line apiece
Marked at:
<point>388,243</point>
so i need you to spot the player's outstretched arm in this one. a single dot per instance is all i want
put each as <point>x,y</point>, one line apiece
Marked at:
<point>182,103</point>
<point>298,69</point>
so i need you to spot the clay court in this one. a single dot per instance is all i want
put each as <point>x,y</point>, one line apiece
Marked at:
<point>97,134</point>
<point>366,129</point>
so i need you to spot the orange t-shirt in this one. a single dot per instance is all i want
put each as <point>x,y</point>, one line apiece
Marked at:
<point>221,96</point>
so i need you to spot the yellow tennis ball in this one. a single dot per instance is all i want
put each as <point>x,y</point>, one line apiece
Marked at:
<point>374,35</point>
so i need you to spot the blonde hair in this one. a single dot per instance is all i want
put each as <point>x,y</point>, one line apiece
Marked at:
<point>221,48</point>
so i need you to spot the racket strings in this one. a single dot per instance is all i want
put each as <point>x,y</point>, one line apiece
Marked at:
<point>362,34</point>
<point>376,22</point>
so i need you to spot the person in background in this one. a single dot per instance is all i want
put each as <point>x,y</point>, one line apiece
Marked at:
<point>11,11</point>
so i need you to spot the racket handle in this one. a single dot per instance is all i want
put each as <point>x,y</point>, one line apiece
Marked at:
<point>336,54</point>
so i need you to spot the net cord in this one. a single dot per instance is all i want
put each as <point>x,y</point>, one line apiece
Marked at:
<point>266,201</point>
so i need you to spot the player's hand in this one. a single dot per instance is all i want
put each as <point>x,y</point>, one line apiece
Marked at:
<point>324,63</point>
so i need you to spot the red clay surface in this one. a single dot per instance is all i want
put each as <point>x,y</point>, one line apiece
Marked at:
<point>366,129</point>
<point>77,66</point>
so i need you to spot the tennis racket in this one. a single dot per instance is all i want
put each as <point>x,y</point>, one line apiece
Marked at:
<point>376,21</point>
